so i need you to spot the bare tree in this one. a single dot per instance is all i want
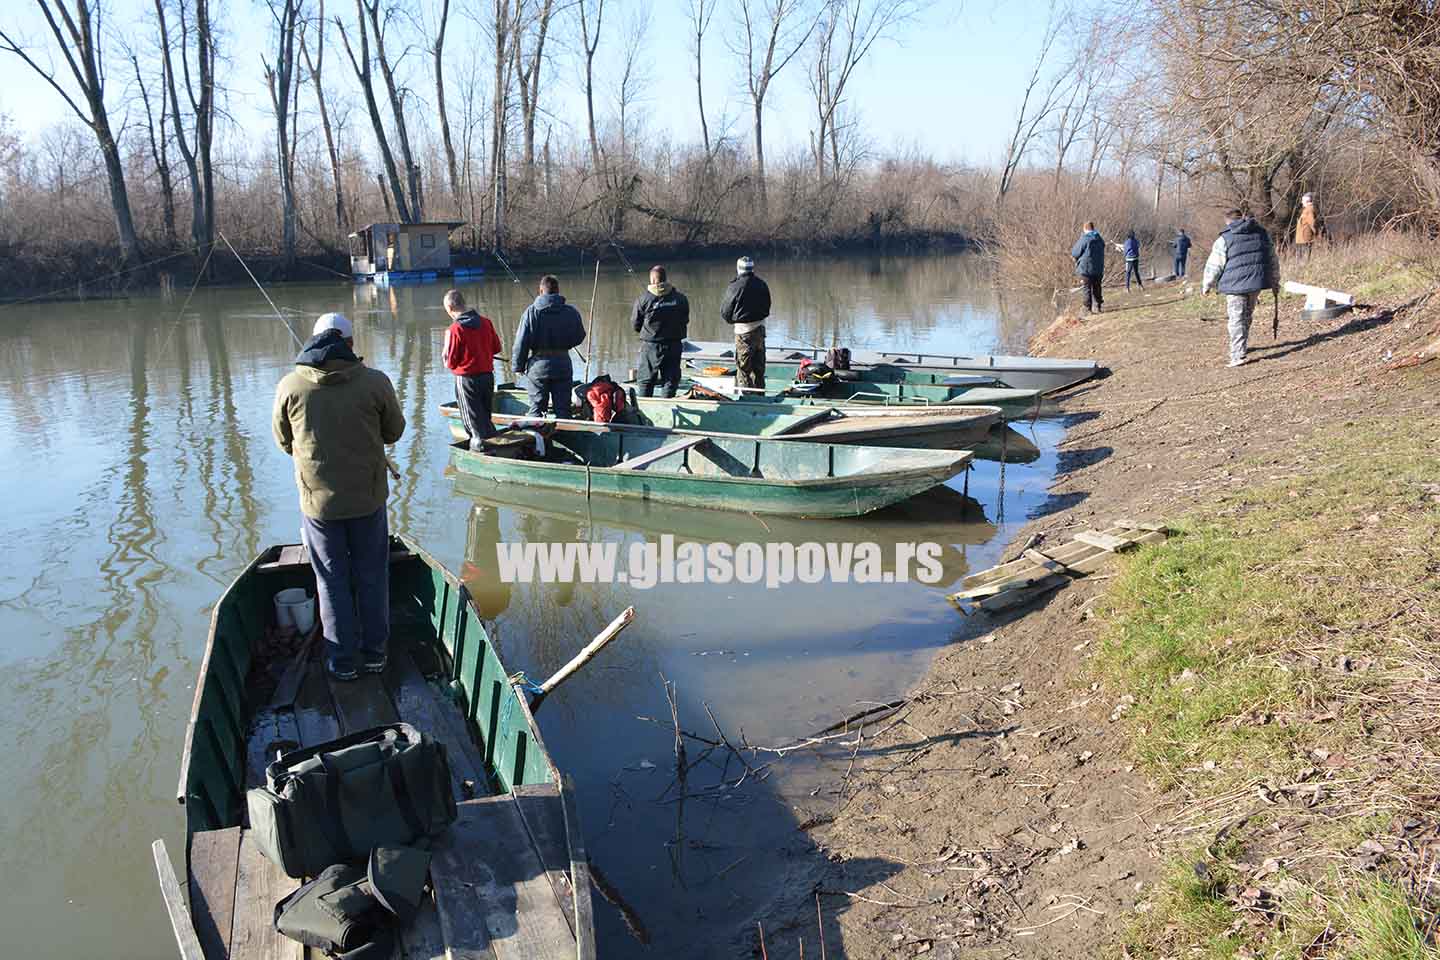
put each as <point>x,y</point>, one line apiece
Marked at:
<point>371,9</point>
<point>772,32</point>
<point>1044,92</point>
<point>159,148</point>
<point>528,63</point>
<point>361,66</point>
<point>590,42</point>
<point>848,29</point>
<point>505,25</point>
<point>633,75</point>
<point>315,67</point>
<point>280,80</point>
<point>79,41</point>
<point>196,153</point>
<point>701,12</point>
<point>437,52</point>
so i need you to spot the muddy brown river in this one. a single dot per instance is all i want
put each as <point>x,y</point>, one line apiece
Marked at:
<point>139,477</point>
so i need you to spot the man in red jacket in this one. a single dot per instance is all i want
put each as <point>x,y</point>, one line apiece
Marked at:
<point>471,344</point>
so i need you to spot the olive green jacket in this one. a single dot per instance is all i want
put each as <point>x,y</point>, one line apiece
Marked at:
<point>335,421</point>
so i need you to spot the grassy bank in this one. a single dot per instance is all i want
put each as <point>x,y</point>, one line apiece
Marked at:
<point>1276,669</point>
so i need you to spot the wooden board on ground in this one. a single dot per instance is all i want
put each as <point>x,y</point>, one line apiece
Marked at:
<point>490,889</point>
<point>214,859</point>
<point>1034,574</point>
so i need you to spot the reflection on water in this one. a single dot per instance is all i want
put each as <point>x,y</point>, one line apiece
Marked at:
<point>141,478</point>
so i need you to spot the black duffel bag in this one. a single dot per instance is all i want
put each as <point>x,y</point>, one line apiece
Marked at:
<point>337,801</point>
<point>353,910</point>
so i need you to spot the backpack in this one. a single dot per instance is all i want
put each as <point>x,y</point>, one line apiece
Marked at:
<point>352,909</point>
<point>838,358</point>
<point>337,801</point>
<point>605,398</point>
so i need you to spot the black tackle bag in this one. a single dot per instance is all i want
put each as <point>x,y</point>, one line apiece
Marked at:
<point>352,910</point>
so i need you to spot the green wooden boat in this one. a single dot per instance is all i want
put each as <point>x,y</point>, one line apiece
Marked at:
<point>751,474</point>
<point>517,837</point>
<point>976,391</point>
<point>813,421</point>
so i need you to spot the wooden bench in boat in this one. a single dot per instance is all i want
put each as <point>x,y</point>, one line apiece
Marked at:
<point>500,875</point>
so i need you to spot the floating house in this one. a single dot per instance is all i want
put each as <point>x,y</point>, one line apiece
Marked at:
<point>405,252</point>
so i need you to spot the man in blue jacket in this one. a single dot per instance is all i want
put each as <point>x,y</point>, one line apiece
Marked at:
<point>1242,263</point>
<point>549,329</point>
<point>1089,256</point>
<point>1181,246</point>
<point>662,318</point>
<point>1131,249</point>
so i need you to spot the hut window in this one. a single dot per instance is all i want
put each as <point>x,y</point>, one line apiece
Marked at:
<point>427,240</point>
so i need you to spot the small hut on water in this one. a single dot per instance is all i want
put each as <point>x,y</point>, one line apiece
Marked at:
<point>399,252</point>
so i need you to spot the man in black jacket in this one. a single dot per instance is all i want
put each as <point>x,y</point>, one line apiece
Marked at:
<point>1242,263</point>
<point>549,329</point>
<point>745,307</point>
<point>661,317</point>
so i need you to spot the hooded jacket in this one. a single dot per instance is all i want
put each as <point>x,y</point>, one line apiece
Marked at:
<point>1089,254</point>
<point>661,313</point>
<point>747,300</point>
<point>1181,245</point>
<point>470,345</point>
<point>547,325</point>
<point>1242,260</point>
<point>1132,248</point>
<point>334,415</point>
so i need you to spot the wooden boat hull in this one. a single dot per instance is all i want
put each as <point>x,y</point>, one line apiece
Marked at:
<point>854,422</point>
<point>718,472</point>
<point>1045,374</point>
<point>252,696</point>
<point>1012,403</point>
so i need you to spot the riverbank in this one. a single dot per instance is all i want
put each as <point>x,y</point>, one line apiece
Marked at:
<point>1225,745</point>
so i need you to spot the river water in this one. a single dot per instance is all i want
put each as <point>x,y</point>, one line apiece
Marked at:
<point>139,477</point>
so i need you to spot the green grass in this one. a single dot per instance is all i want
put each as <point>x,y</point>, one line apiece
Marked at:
<point>1229,635</point>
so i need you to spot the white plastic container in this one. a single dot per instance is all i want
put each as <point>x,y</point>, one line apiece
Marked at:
<point>294,611</point>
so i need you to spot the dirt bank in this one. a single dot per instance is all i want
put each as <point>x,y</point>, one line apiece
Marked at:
<point>1027,801</point>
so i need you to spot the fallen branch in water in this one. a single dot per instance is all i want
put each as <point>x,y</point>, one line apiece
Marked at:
<point>612,896</point>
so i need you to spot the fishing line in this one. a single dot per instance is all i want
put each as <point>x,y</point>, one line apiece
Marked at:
<point>180,317</point>
<point>188,251</point>
<point>496,255</point>
<point>624,259</point>
<point>278,315</point>
<point>591,332</point>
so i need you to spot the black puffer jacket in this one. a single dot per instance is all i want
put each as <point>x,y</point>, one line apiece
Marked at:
<point>1249,259</point>
<point>747,300</point>
<point>661,316</point>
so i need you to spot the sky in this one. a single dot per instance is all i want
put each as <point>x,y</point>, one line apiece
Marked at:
<point>949,84</point>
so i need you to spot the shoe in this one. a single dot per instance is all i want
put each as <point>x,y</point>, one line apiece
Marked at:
<point>1237,363</point>
<point>342,675</point>
<point>374,664</point>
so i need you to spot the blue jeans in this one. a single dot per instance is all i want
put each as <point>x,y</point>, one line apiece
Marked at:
<point>545,391</point>
<point>351,559</point>
<point>1179,266</point>
<point>1132,269</point>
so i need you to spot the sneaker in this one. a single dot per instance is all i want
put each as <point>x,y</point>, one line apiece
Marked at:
<point>1237,363</point>
<point>373,664</point>
<point>343,675</point>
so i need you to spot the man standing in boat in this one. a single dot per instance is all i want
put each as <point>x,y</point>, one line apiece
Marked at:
<point>334,416</point>
<point>471,344</point>
<point>1089,256</point>
<point>745,307</point>
<point>549,329</point>
<point>661,317</point>
<point>1242,263</point>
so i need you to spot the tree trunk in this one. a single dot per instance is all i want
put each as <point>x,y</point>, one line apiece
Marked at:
<point>280,79</point>
<point>760,154</point>
<point>372,7</point>
<point>361,66</point>
<point>205,121</point>
<point>159,151</point>
<point>591,43</point>
<point>317,79</point>
<point>438,52</point>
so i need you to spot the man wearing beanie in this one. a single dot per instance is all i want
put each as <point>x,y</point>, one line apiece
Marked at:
<point>745,307</point>
<point>334,415</point>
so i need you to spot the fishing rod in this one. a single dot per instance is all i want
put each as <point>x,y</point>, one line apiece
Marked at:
<point>390,464</point>
<point>496,255</point>
<point>594,289</point>
<point>624,259</point>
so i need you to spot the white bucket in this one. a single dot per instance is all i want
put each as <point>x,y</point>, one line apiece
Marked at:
<point>294,611</point>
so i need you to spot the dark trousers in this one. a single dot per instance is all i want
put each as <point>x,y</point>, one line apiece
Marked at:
<point>1090,290</point>
<point>351,559</point>
<point>1132,269</point>
<point>1180,265</point>
<point>546,391</point>
<point>659,364</point>
<point>475,393</point>
<point>750,359</point>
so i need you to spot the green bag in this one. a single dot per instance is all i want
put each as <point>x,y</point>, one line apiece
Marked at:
<point>353,909</point>
<point>337,801</point>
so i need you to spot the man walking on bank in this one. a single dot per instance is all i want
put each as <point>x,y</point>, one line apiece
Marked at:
<point>549,329</point>
<point>471,344</point>
<point>661,317</point>
<point>745,307</point>
<point>1242,263</point>
<point>1089,256</point>
<point>334,415</point>
<point>1181,246</point>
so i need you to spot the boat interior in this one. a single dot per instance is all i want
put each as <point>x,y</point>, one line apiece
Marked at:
<point>501,876</point>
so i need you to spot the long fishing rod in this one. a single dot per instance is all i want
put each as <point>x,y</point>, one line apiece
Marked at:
<point>496,255</point>
<point>591,330</point>
<point>629,268</point>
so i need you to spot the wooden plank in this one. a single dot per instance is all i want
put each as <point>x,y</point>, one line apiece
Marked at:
<point>287,689</point>
<point>805,423</point>
<point>422,939</point>
<point>645,459</point>
<point>542,810</point>
<point>487,857</point>
<point>185,936</point>
<point>1015,598</point>
<point>579,872</point>
<point>314,710</point>
<point>1104,541</point>
<point>361,703</point>
<point>214,860</point>
<point>259,885</point>
<point>420,705</point>
<point>1041,560</point>
<point>1148,525</point>
<point>1034,576</point>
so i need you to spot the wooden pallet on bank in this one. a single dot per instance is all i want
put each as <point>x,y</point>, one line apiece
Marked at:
<point>1035,573</point>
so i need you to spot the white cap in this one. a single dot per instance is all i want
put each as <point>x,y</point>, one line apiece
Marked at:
<point>1306,198</point>
<point>333,321</point>
<point>744,265</point>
